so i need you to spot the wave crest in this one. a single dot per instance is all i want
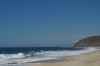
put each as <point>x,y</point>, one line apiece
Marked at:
<point>11,56</point>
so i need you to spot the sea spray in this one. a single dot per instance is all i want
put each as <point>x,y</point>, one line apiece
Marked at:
<point>41,55</point>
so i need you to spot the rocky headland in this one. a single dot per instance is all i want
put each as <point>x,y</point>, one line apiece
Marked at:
<point>93,41</point>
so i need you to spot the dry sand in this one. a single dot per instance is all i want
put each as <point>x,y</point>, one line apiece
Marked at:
<point>90,59</point>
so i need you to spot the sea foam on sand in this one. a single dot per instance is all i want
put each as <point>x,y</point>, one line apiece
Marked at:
<point>43,55</point>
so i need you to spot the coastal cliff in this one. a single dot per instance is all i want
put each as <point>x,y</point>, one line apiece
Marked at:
<point>88,42</point>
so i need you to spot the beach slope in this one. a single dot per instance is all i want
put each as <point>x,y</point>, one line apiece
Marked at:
<point>89,59</point>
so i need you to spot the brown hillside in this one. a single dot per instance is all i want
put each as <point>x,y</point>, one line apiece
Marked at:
<point>88,42</point>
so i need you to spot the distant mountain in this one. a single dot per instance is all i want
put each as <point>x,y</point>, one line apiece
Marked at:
<point>88,42</point>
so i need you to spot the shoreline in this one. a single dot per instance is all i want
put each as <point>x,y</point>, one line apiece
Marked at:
<point>48,61</point>
<point>61,59</point>
<point>87,59</point>
<point>64,60</point>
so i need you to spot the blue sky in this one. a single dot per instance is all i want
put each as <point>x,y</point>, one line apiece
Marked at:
<point>45,23</point>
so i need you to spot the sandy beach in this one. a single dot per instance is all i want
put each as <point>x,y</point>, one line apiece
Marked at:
<point>89,59</point>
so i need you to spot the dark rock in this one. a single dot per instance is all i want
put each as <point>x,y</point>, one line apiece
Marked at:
<point>13,63</point>
<point>88,42</point>
<point>32,53</point>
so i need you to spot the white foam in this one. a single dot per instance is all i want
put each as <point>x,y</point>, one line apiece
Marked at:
<point>43,55</point>
<point>10,56</point>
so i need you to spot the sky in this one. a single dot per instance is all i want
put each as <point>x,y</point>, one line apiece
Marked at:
<point>47,23</point>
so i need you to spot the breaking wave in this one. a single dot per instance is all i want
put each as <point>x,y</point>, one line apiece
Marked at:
<point>42,55</point>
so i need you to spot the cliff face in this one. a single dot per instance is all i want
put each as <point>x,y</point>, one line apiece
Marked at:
<point>88,42</point>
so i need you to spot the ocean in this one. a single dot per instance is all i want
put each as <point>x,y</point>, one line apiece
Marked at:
<point>32,54</point>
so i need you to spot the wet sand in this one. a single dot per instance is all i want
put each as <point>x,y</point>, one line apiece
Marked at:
<point>89,59</point>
